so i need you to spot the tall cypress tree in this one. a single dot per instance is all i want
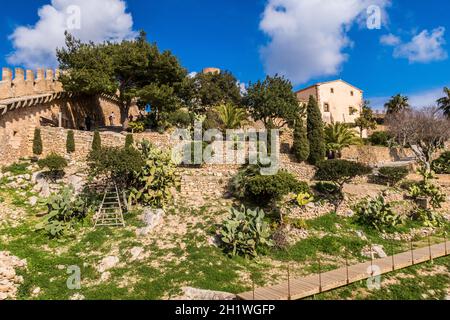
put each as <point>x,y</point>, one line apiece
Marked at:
<point>300,147</point>
<point>315,129</point>
<point>70,142</point>
<point>97,142</point>
<point>129,141</point>
<point>37,142</point>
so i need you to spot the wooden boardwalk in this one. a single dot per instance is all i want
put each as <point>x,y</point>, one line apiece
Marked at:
<point>314,284</point>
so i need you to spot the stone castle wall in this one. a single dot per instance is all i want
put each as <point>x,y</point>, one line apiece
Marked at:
<point>26,83</point>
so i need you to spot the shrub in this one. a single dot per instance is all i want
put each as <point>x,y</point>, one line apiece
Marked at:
<point>37,142</point>
<point>97,142</point>
<point>17,168</point>
<point>179,119</point>
<point>380,138</point>
<point>54,163</point>
<point>393,175</point>
<point>431,192</point>
<point>377,214</point>
<point>154,182</point>
<point>264,189</point>
<point>136,126</point>
<point>118,164</point>
<point>427,218</point>
<point>245,232</point>
<point>70,142</point>
<point>63,210</point>
<point>442,164</point>
<point>326,188</point>
<point>300,146</point>
<point>129,141</point>
<point>340,171</point>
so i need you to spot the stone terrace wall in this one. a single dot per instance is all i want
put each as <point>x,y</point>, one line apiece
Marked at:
<point>374,155</point>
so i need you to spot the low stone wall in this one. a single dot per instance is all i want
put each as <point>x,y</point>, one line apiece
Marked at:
<point>374,155</point>
<point>54,140</point>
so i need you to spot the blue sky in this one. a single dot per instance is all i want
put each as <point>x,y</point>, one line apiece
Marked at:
<point>306,40</point>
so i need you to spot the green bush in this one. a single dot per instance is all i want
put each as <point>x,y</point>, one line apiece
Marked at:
<point>118,164</point>
<point>340,171</point>
<point>136,126</point>
<point>264,189</point>
<point>64,210</point>
<point>393,175</point>
<point>54,163</point>
<point>427,218</point>
<point>97,141</point>
<point>300,147</point>
<point>155,180</point>
<point>380,138</point>
<point>37,142</point>
<point>442,164</point>
<point>17,168</point>
<point>129,141</point>
<point>377,214</point>
<point>70,142</point>
<point>431,192</point>
<point>179,119</point>
<point>326,188</point>
<point>245,233</point>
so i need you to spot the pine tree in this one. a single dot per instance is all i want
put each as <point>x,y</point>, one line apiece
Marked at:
<point>315,132</point>
<point>300,147</point>
<point>37,142</point>
<point>70,143</point>
<point>97,142</point>
<point>129,141</point>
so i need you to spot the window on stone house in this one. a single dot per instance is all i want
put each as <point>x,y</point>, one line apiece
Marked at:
<point>332,90</point>
<point>326,107</point>
<point>352,93</point>
<point>351,110</point>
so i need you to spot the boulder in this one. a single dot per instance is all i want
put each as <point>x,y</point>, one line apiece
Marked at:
<point>76,182</point>
<point>33,201</point>
<point>107,263</point>
<point>152,218</point>
<point>200,294</point>
<point>136,253</point>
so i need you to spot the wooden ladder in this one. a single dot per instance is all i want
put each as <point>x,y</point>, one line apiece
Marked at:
<point>110,213</point>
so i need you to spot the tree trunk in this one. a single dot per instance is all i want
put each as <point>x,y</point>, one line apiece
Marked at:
<point>124,113</point>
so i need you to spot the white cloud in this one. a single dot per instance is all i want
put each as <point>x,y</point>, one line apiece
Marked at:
<point>390,40</point>
<point>307,37</point>
<point>99,20</point>
<point>426,98</point>
<point>424,47</point>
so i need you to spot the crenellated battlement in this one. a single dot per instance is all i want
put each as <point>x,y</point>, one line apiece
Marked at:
<point>22,83</point>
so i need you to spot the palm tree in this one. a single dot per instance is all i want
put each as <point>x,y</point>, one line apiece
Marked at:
<point>337,137</point>
<point>397,103</point>
<point>232,117</point>
<point>444,103</point>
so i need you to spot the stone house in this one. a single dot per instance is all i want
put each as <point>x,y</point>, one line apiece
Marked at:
<point>338,100</point>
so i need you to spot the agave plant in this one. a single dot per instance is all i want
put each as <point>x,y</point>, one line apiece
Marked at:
<point>245,232</point>
<point>339,136</point>
<point>231,116</point>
